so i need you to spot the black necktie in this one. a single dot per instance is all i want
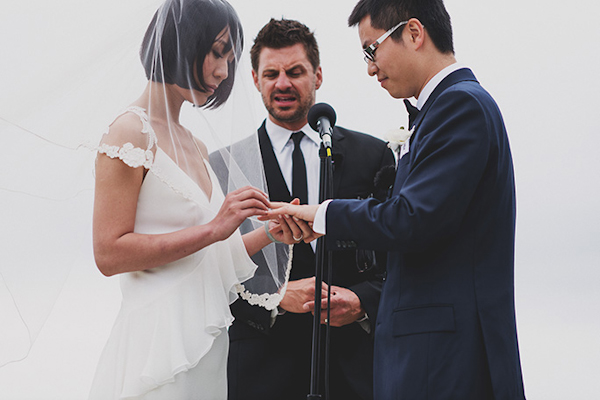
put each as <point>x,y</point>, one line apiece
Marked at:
<point>299,186</point>
<point>412,113</point>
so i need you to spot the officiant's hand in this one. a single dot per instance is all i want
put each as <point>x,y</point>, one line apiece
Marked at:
<point>299,293</point>
<point>345,307</point>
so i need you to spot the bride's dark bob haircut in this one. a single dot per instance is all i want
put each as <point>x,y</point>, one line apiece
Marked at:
<point>180,36</point>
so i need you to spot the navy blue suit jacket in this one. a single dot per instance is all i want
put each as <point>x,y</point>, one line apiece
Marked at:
<point>446,327</point>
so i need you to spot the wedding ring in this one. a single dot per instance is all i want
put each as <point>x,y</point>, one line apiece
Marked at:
<point>298,239</point>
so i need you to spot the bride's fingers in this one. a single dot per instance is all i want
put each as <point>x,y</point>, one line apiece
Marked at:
<point>248,199</point>
<point>249,192</point>
<point>248,208</point>
<point>249,189</point>
<point>275,213</point>
<point>251,205</point>
<point>258,195</point>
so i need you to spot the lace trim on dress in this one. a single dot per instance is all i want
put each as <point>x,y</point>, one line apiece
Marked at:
<point>266,300</point>
<point>130,155</point>
<point>146,127</point>
<point>187,193</point>
<point>137,157</point>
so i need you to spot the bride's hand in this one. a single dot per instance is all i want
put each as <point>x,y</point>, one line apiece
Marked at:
<point>237,206</point>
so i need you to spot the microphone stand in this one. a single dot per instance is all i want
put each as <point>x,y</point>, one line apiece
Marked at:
<point>323,262</point>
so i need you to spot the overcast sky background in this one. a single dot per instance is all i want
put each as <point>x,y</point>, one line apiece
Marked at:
<point>538,59</point>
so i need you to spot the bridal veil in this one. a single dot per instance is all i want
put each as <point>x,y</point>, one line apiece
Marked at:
<point>69,68</point>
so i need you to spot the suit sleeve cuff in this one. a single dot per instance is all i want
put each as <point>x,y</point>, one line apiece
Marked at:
<point>320,222</point>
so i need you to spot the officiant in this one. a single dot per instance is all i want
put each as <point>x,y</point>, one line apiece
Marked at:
<point>270,354</point>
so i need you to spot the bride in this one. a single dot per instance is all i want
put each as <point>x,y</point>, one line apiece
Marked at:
<point>161,221</point>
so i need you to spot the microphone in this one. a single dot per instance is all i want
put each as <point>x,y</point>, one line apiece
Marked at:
<point>321,117</point>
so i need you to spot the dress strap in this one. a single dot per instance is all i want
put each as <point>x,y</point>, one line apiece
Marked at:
<point>130,155</point>
<point>146,127</point>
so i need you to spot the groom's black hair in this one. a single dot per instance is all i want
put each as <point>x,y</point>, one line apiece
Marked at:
<point>387,13</point>
<point>188,29</point>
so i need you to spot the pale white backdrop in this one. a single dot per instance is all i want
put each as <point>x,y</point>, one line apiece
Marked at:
<point>540,62</point>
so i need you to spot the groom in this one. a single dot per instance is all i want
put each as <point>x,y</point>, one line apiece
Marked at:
<point>446,327</point>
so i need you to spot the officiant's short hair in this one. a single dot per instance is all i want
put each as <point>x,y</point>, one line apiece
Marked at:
<point>387,13</point>
<point>280,33</point>
<point>188,30</point>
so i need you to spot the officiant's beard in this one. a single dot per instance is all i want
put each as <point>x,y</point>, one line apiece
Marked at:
<point>294,113</point>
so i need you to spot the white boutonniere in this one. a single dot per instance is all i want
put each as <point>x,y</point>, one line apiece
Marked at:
<point>398,140</point>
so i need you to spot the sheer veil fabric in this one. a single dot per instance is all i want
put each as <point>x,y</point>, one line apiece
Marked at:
<point>69,69</point>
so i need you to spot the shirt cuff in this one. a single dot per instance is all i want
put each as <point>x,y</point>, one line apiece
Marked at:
<point>320,222</point>
<point>364,323</point>
<point>275,313</point>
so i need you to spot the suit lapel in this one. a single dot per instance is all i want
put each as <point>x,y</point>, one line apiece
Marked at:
<point>278,190</point>
<point>460,75</point>
<point>401,174</point>
<point>303,260</point>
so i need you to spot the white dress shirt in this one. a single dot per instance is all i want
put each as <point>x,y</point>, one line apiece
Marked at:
<point>283,146</point>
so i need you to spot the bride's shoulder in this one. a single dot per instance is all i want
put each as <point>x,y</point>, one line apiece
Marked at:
<point>128,127</point>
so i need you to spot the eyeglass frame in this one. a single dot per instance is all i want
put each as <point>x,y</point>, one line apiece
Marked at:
<point>369,51</point>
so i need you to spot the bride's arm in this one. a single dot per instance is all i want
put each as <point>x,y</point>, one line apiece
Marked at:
<point>118,249</point>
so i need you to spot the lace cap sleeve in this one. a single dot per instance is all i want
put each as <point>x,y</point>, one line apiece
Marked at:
<point>132,155</point>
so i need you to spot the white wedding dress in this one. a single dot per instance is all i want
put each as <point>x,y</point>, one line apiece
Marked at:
<point>170,339</point>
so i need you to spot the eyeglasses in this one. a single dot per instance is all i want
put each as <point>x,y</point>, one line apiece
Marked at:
<point>369,52</point>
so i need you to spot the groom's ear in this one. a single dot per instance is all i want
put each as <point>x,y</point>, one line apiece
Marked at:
<point>416,33</point>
